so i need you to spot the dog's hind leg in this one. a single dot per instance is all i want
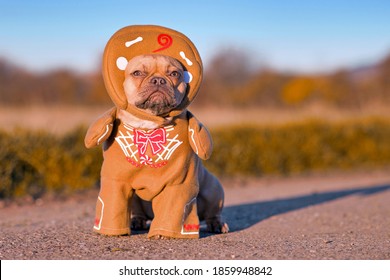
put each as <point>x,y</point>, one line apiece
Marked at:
<point>210,202</point>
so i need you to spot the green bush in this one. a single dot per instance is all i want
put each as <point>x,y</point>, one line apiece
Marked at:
<point>36,163</point>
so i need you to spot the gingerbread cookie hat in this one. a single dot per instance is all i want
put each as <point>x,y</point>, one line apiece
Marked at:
<point>135,40</point>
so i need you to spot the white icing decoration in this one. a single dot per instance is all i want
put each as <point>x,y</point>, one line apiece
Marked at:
<point>121,63</point>
<point>132,42</point>
<point>187,77</point>
<point>193,140</point>
<point>183,55</point>
<point>98,227</point>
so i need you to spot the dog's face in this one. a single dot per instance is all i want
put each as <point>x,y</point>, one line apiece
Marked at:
<point>154,83</point>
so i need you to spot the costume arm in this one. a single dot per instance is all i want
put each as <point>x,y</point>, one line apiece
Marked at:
<point>199,137</point>
<point>101,129</point>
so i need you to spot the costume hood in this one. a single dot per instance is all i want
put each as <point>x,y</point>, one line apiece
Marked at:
<point>135,40</point>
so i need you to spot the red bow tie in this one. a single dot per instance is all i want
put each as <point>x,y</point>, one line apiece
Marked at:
<point>155,139</point>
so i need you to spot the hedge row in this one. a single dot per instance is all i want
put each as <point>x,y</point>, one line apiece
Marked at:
<point>35,163</point>
<point>301,147</point>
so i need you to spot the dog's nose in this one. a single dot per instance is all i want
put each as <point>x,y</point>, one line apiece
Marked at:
<point>158,81</point>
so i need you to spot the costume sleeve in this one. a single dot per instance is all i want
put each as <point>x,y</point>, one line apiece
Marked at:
<point>199,137</point>
<point>101,129</point>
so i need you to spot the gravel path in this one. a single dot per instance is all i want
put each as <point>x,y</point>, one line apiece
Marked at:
<point>332,217</point>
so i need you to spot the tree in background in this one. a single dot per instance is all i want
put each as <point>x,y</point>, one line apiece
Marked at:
<point>231,79</point>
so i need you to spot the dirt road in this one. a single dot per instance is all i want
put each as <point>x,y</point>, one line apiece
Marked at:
<point>333,217</point>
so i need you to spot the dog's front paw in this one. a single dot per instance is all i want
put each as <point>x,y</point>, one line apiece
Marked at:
<point>138,223</point>
<point>159,237</point>
<point>217,226</point>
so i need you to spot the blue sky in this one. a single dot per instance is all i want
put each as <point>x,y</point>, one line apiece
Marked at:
<point>287,35</point>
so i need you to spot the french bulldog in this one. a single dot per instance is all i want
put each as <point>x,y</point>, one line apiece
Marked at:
<point>153,146</point>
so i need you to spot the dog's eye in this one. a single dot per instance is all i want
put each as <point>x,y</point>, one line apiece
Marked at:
<point>174,74</point>
<point>137,73</point>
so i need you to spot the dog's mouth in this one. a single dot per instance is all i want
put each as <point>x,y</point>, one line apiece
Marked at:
<point>159,101</point>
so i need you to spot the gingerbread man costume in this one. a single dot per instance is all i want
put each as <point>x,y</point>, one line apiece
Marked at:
<point>161,165</point>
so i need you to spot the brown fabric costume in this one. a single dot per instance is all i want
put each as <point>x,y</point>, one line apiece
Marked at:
<point>161,165</point>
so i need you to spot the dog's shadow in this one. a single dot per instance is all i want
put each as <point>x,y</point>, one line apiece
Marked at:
<point>243,216</point>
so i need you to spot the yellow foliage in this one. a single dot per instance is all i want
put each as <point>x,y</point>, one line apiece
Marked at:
<point>35,163</point>
<point>297,90</point>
